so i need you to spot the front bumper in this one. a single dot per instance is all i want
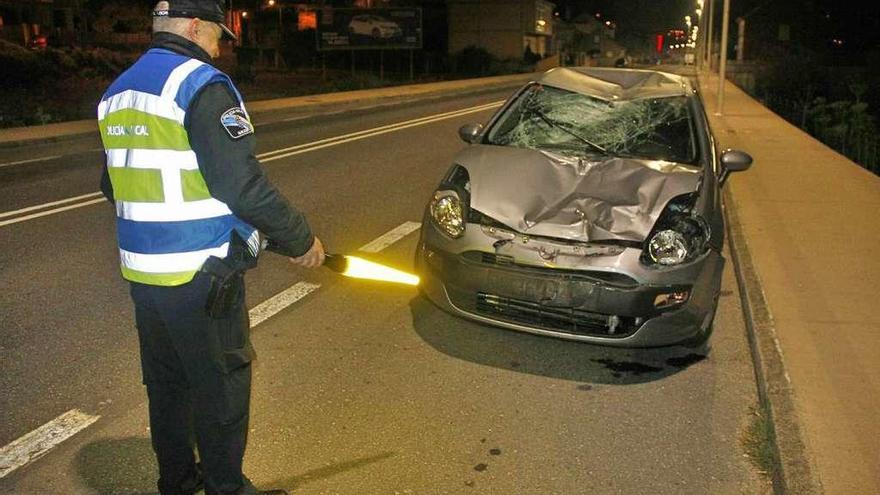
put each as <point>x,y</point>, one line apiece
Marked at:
<point>598,306</point>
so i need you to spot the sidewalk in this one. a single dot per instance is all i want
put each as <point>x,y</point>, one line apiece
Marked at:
<point>265,110</point>
<point>807,222</point>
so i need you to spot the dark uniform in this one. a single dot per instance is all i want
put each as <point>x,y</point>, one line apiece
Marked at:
<point>197,368</point>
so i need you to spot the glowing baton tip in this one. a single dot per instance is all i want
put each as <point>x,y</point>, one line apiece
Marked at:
<point>354,267</point>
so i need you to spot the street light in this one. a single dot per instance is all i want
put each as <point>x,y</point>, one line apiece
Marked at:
<point>272,3</point>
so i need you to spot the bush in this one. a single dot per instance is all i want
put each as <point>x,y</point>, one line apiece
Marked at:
<point>122,17</point>
<point>25,68</point>
<point>22,67</point>
<point>502,67</point>
<point>100,62</point>
<point>360,81</point>
<point>62,61</point>
<point>244,73</point>
<point>54,84</point>
<point>298,48</point>
<point>473,61</point>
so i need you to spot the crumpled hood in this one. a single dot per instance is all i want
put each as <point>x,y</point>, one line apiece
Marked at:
<point>544,194</point>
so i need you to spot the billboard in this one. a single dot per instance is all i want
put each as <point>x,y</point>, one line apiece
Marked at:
<point>370,29</point>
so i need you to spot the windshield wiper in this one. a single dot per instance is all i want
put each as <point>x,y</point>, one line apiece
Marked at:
<point>558,125</point>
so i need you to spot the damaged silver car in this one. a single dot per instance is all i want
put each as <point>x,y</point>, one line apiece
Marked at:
<point>588,208</point>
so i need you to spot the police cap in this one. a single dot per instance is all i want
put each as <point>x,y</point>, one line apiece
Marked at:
<point>207,10</point>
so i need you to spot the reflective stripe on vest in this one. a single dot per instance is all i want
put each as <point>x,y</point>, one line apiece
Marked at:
<point>167,222</point>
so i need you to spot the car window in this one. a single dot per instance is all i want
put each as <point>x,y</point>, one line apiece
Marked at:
<point>566,122</point>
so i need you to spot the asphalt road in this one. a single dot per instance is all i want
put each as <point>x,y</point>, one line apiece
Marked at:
<point>360,387</point>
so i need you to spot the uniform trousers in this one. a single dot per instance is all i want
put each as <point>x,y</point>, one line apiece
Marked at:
<point>197,372</point>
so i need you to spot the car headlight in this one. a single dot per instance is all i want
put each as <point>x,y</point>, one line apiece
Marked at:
<point>448,213</point>
<point>680,234</point>
<point>668,247</point>
<point>676,240</point>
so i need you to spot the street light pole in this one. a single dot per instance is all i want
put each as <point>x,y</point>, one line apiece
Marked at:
<point>275,3</point>
<point>700,36</point>
<point>722,65</point>
<point>710,14</point>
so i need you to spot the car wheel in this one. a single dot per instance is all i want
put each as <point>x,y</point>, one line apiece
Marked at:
<point>377,33</point>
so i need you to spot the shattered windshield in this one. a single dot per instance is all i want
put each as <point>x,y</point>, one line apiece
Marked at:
<point>570,123</point>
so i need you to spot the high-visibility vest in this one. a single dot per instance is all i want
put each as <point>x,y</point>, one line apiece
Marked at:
<point>167,222</point>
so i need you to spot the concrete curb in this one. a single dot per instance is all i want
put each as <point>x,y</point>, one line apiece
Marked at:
<point>270,111</point>
<point>66,131</point>
<point>794,473</point>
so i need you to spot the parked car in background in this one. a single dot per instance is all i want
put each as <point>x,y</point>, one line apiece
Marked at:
<point>588,208</point>
<point>374,26</point>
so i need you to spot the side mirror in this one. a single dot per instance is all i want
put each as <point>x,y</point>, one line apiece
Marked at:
<point>470,133</point>
<point>733,161</point>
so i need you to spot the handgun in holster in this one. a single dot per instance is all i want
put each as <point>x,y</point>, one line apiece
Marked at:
<point>227,278</point>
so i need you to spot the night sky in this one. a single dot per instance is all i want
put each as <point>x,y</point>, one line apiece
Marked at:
<point>635,16</point>
<point>817,21</point>
<point>857,22</point>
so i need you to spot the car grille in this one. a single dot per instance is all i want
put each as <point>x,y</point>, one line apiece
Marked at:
<point>496,259</point>
<point>611,278</point>
<point>564,319</point>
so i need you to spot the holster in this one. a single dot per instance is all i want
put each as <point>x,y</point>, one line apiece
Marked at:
<point>227,278</point>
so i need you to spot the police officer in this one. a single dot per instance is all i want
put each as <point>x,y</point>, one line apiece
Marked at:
<point>190,194</point>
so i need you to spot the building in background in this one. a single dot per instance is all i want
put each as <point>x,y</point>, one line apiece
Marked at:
<point>504,28</point>
<point>589,40</point>
<point>37,22</point>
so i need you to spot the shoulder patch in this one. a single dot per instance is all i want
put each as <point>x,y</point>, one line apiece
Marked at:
<point>236,123</point>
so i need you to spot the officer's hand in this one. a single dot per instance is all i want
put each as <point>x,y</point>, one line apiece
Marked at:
<point>313,258</point>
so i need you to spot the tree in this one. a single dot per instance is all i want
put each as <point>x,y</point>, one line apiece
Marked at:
<point>123,17</point>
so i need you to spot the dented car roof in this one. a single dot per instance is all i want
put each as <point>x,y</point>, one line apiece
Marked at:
<point>615,85</point>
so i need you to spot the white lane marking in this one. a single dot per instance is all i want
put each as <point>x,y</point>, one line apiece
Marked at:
<point>390,237</point>
<point>278,154</point>
<point>301,117</point>
<point>285,298</point>
<point>402,125</point>
<point>46,205</point>
<point>35,444</point>
<point>31,160</point>
<point>378,131</point>
<point>278,302</point>
<point>51,212</point>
